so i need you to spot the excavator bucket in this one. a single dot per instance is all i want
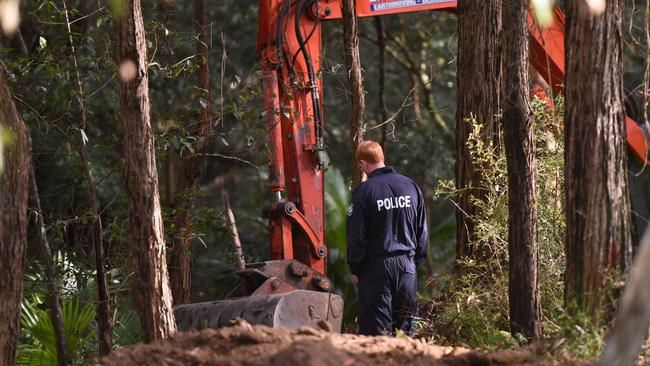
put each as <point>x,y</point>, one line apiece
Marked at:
<point>280,293</point>
<point>289,310</point>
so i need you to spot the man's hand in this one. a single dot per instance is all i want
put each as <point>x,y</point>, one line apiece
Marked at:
<point>355,279</point>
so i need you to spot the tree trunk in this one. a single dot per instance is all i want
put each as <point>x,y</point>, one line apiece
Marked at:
<point>53,301</point>
<point>597,200</point>
<point>152,293</point>
<point>381,81</point>
<point>633,318</point>
<point>191,169</point>
<point>355,80</point>
<point>479,88</point>
<point>14,190</point>
<point>519,141</point>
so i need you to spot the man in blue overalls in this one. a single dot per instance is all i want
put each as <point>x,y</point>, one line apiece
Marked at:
<point>387,238</point>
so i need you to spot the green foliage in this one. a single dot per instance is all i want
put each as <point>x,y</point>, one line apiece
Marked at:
<point>127,329</point>
<point>579,334</point>
<point>475,308</point>
<point>337,199</point>
<point>442,245</point>
<point>38,346</point>
<point>399,334</point>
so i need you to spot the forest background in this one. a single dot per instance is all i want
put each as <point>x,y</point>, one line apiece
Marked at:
<point>420,100</point>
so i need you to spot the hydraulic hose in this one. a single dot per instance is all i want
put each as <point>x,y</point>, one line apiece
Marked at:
<point>279,38</point>
<point>315,98</point>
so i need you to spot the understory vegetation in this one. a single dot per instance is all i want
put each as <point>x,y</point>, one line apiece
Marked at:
<point>472,305</point>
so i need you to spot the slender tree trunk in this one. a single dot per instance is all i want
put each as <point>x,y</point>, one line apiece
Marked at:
<point>53,301</point>
<point>479,88</point>
<point>14,190</point>
<point>355,80</point>
<point>519,141</point>
<point>597,200</point>
<point>104,328</point>
<point>191,169</point>
<point>152,293</point>
<point>104,331</point>
<point>381,81</point>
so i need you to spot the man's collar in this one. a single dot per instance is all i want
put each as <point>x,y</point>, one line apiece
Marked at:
<point>381,171</point>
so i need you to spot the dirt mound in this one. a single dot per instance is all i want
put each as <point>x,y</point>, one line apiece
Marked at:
<point>244,344</point>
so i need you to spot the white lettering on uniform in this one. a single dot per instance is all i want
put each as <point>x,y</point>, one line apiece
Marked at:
<point>394,202</point>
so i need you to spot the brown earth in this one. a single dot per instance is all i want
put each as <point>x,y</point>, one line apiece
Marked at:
<point>244,344</point>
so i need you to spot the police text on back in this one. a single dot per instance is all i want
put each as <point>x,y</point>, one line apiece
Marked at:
<point>394,202</point>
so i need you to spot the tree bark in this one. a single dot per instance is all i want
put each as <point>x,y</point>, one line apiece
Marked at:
<point>355,80</point>
<point>191,169</point>
<point>53,300</point>
<point>597,237</point>
<point>479,87</point>
<point>14,190</point>
<point>519,141</point>
<point>151,288</point>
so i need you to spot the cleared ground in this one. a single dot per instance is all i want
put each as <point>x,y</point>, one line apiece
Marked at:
<point>244,344</point>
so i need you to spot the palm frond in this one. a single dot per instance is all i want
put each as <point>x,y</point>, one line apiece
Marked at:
<point>127,329</point>
<point>38,345</point>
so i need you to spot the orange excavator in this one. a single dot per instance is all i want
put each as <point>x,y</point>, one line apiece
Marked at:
<point>293,290</point>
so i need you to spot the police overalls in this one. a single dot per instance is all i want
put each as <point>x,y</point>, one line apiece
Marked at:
<point>387,238</point>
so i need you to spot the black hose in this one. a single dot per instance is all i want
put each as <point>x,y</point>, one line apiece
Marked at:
<point>311,33</point>
<point>279,38</point>
<point>310,69</point>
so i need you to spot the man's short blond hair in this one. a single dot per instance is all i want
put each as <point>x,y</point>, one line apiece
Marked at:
<point>370,151</point>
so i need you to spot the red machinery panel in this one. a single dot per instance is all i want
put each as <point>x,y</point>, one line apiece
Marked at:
<point>547,50</point>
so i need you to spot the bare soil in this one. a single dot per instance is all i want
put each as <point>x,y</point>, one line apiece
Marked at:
<point>244,344</point>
